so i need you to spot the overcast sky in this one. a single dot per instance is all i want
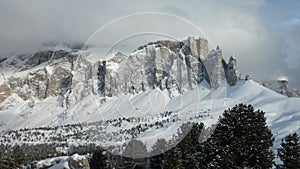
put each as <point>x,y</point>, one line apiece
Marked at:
<point>264,35</point>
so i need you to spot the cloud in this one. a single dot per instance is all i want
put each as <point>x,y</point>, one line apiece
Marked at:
<point>294,21</point>
<point>248,29</point>
<point>238,28</point>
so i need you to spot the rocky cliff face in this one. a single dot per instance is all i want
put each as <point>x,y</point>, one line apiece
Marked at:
<point>175,66</point>
<point>40,76</point>
<point>231,71</point>
<point>281,86</point>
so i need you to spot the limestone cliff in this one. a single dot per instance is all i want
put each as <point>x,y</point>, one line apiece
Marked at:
<point>175,66</point>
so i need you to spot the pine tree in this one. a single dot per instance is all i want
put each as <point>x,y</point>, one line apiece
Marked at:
<point>289,152</point>
<point>116,161</point>
<point>158,153</point>
<point>241,139</point>
<point>19,156</point>
<point>173,159</point>
<point>1,160</point>
<point>99,159</point>
<point>135,154</point>
<point>188,145</point>
<point>183,154</point>
<point>5,162</point>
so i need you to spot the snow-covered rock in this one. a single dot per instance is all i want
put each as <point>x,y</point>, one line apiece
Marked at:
<point>65,162</point>
<point>54,87</point>
<point>280,86</point>
<point>231,71</point>
<point>78,162</point>
<point>69,75</point>
<point>116,120</point>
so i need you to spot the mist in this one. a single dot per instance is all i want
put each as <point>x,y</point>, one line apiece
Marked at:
<point>265,41</point>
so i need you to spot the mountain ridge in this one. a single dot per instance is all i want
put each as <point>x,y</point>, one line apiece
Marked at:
<point>60,87</point>
<point>52,73</point>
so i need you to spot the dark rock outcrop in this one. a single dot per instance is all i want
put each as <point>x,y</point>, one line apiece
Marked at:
<point>231,72</point>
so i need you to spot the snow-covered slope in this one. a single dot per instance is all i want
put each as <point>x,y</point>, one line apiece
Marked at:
<point>162,85</point>
<point>283,113</point>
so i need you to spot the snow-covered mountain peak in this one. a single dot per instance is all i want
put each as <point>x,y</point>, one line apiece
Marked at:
<point>164,83</point>
<point>170,65</point>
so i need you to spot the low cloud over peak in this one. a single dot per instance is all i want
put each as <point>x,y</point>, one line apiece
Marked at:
<point>265,45</point>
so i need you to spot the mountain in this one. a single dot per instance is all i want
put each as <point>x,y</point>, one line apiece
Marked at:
<point>147,94</point>
<point>75,74</point>
<point>65,78</point>
<point>281,86</point>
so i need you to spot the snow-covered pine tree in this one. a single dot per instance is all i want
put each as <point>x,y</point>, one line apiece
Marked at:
<point>2,164</point>
<point>158,152</point>
<point>99,159</point>
<point>241,140</point>
<point>135,154</point>
<point>188,146</point>
<point>289,152</point>
<point>183,155</point>
<point>173,159</point>
<point>19,156</point>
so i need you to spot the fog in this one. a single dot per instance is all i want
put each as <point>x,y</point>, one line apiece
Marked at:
<point>264,35</point>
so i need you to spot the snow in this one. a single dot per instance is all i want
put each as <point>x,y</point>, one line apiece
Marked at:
<point>283,113</point>
<point>112,65</point>
<point>94,54</point>
<point>201,104</point>
<point>16,62</point>
<point>283,78</point>
<point>59,162</point>
<point>56,163</point>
